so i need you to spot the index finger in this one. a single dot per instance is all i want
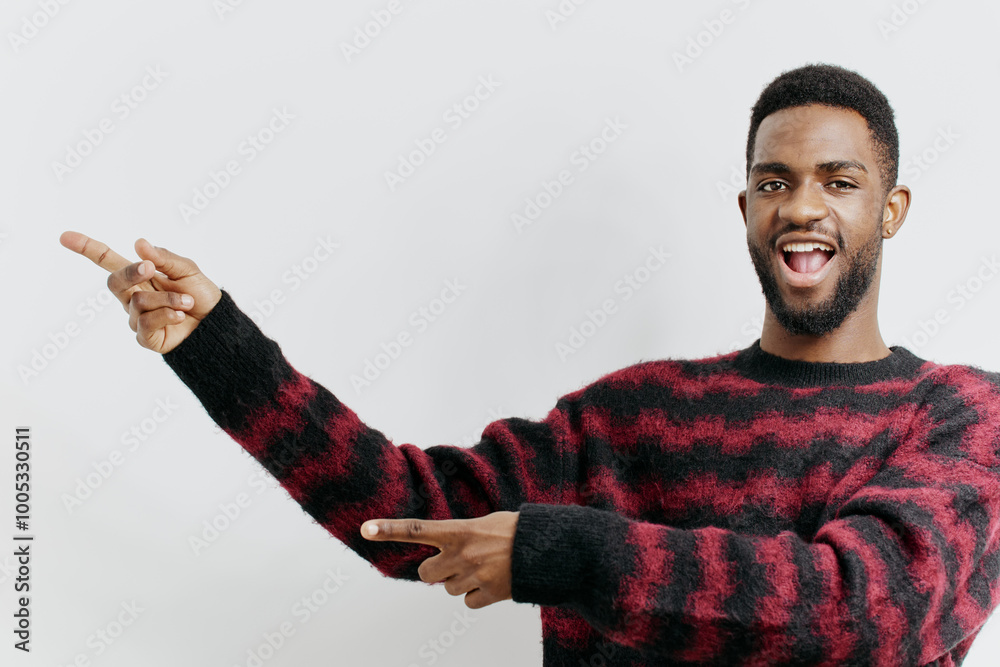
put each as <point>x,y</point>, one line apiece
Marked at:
<point>97,252</point>
<point>422,531</point>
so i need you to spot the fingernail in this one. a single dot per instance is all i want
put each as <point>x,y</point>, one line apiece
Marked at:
<point>373,529</point>
<point>187,300</point>
<point>142,269</point>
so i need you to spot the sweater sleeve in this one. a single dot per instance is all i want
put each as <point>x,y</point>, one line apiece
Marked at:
<point>906,570</point>
<point>343,472</point>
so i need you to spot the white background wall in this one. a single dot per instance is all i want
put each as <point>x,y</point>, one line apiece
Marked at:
<point>493,352</point>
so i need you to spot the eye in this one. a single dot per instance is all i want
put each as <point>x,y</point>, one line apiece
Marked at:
<point>764,187</point>
<point>846,185</point>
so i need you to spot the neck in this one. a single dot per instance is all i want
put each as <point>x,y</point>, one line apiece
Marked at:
<point>857,339</point>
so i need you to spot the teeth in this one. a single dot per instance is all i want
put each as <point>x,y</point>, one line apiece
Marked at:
<point>806,247</point>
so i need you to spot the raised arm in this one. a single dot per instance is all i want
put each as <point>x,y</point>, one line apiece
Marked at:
<point>344,472</point>
<point>341,471</point>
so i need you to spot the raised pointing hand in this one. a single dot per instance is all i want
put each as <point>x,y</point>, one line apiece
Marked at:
<point>152,290</point>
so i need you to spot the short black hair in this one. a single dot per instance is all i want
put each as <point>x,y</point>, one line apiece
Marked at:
<point>837,87</point>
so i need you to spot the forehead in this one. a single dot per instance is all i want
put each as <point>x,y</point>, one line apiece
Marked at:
<point>813,134</point>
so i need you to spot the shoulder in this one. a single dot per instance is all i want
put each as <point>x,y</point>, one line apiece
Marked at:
<point>960,412</point>
<point>955,429</point>
<point>972,380</point>
<point>670,374</point>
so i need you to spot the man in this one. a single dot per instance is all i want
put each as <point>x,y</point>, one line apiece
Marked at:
<point>815,498</point>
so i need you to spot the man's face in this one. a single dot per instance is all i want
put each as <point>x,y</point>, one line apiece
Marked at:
<point>814,178</point>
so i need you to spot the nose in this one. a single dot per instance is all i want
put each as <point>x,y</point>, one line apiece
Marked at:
<point>804,204</point>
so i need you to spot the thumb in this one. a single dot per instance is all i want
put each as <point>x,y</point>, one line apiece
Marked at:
<point>180,274</point>
<point>172,265</point>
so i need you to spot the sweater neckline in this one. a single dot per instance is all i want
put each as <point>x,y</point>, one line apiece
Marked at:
<point>758,364</point>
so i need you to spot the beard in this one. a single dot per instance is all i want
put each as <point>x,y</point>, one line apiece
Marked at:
<point>856,276</point>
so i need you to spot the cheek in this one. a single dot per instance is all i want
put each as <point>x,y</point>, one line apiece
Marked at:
<point>758,221</point>
<point>761,209</point>
<point>858,224</point>
<point>856,211</point>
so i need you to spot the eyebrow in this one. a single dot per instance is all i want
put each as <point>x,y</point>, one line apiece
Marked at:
<point>828,167</point>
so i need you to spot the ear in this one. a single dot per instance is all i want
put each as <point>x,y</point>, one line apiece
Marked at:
<point>897,203</point>
<point>742,200</point>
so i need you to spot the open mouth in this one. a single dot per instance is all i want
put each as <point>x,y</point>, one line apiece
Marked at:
<point>806,264</point>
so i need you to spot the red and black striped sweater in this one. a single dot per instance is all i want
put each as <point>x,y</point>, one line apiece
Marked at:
<point>742,509</point>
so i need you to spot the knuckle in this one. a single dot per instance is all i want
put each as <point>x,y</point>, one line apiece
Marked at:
<point>184,260</point>
<point>412,528</point>
<point>144,322</point>
<point>138,305</point>
<point>472,555</point>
